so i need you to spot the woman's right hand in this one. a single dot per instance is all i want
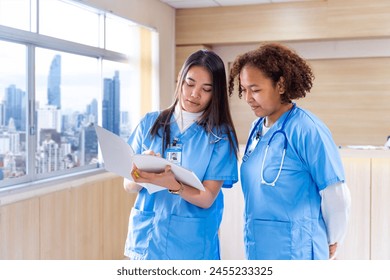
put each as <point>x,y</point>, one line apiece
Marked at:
<point>332,251</point>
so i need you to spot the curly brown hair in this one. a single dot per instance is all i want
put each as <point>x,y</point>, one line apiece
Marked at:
<point>276,61</point>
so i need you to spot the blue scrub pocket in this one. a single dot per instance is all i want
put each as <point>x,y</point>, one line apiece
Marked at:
<point>186,238</point>
<point>272,240</point>
<point>140,227</point>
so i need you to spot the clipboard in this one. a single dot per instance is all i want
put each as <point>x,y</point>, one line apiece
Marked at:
<point>118,158</point>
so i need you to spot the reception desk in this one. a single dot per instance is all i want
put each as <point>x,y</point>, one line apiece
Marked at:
<point>368,178</point>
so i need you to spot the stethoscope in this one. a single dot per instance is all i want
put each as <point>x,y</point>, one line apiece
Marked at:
<point>257,137</point>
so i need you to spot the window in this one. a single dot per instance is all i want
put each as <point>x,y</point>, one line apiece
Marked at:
<point>13,110</point>
<point>67,91</point>
<point>69,22</point>
<point>17,14</point>
<point>76,68</point>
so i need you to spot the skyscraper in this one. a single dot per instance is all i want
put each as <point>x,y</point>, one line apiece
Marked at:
<point>49,117</point>
<point>111,104</point>
<point>15,108</point>
<point>88,145</point>
<point>54,83</point>
<point>92,111</point>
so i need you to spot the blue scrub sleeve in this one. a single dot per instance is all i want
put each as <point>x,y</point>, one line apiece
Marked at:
<point>322,156</point>
<point>223,164</point>
<point>138,136</point>
<point>135,139</point>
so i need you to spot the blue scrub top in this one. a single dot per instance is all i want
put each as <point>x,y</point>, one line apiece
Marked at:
<point>163,225</point>
<point>285,221</point>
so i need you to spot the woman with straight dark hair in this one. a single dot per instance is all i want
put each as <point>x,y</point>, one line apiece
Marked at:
<point>196,132</point>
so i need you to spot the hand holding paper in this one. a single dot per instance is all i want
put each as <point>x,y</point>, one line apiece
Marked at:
<point>165,178</point>
<point>118,157</point>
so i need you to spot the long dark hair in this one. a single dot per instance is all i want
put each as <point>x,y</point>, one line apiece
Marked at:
<point>216,118</point>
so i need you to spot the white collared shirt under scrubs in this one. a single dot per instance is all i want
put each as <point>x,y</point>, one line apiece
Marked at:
<point>165,226</point>
<point>285,221</point>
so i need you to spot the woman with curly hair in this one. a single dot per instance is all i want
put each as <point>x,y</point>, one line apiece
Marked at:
<point>296,199</point>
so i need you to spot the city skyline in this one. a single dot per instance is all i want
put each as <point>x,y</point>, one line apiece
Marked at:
<point>65,137</point>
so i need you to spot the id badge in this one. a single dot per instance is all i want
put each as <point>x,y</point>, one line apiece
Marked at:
<point>254,141</point>
<point>173,153</point>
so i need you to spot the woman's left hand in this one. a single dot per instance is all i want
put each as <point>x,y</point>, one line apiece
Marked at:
<point>166,179</point>
<point>163,179</point>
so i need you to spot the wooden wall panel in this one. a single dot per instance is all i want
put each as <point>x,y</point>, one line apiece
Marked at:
<point>357,242</point>
<point>242,118</point>
<point>85,221</point>
<point>116,211</point>
<point>87,202</point>
<point>352,96</point>
<point>182,52</point>
<point>314,20</point>
<point>146,67</point>
<point>252,23</point>
<point>19,230</point>
<point>57,226</point>
<point>380,209</point>
<point>358,18</point>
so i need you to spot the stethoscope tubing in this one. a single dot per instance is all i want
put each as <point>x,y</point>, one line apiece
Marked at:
<point>281,131</point>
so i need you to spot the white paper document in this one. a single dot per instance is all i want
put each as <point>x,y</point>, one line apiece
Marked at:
<point>118,157</point>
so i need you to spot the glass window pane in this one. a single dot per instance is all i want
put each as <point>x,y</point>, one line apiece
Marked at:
<point>120,104</point>
<point>13,111</point>
<point>15,13</point>
<point>121,35</point>
<point>68,90</point>
<point>69,21</point>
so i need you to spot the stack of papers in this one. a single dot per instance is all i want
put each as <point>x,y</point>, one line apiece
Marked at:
<point>118,157</point>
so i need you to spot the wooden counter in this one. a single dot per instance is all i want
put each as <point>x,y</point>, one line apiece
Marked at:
<point>368,178</point>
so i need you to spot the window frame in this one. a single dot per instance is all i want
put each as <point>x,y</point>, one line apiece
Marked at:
<point>33,40</point>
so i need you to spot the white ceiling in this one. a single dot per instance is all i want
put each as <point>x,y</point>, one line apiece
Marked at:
<point>186,4</point>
